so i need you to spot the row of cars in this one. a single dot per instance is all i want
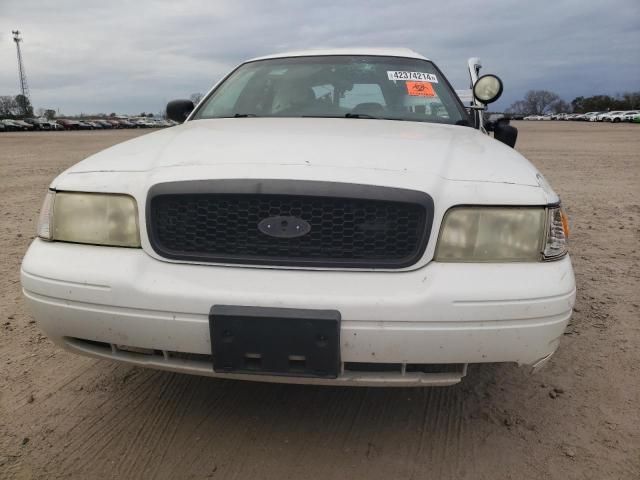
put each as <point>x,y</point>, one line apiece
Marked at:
<point>31,124</point>
<point>613,117</point>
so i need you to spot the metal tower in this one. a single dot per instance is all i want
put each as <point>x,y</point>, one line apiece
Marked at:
<point>24,88</point>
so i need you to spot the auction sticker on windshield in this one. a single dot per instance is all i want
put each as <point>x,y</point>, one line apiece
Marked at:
<point>404,75</point>
<point>420,89</point>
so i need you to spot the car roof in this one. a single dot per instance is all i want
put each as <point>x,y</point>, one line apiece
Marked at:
<point>384,52</point>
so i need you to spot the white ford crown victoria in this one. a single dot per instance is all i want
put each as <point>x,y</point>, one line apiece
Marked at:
<point>324,217</point>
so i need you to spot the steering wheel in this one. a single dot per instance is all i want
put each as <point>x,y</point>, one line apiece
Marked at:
<point>369,108</point>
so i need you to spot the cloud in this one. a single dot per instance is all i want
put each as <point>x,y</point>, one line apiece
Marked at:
<point>135,56</point>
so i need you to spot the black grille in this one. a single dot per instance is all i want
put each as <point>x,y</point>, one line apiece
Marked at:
<point>351,232</point>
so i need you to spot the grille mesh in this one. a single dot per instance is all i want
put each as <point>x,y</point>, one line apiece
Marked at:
<point>224,227</point>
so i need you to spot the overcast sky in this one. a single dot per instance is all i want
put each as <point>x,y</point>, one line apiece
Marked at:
<point>132,56</point>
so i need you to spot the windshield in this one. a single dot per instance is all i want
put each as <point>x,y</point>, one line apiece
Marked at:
<point>390,88</point>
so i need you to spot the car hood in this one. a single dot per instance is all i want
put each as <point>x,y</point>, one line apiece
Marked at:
<point>414,148</point>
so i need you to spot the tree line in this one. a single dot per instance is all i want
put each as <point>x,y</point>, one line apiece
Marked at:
<point>544,102</point>
<point>19,107</point>
<point>535,102</point>
<point>16,107</point>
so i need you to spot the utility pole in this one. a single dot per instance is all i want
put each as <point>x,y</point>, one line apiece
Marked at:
<point>24,88</point>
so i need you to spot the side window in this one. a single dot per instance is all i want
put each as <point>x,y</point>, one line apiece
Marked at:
<point>225,101</point>
<point>362,93</point>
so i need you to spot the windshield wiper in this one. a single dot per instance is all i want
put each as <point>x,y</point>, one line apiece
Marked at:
<point>359,115</point>
<point>346,115</point>
<point>239,115</point>
<point>366,115</point>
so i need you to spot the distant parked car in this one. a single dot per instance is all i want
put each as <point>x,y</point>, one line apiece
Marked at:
<point>11,126</point>
<point>127,124</point>
<point>94,125</point>
<point>585,117</point>
<point>55,125</point>
<point>156,123</point>
<point>104,123</point>
<point>615,117</point>
<point>82,125</point>
<point>142,123</point>
<point>25,125</point>
<point>606,117</point>
<point>494,117</point>
<point>630,115</point>
<point>600,117</point>
<point>37,125</point>
<point>593,116</point>
<point>44,124</point>
<point>69,124</point>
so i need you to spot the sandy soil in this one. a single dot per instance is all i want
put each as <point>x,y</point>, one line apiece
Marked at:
<point>66,416</point>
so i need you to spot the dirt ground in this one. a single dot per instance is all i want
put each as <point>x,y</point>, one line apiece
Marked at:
<point>64,416</point>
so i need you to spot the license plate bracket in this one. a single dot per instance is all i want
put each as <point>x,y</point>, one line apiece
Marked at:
<point>275,341</point>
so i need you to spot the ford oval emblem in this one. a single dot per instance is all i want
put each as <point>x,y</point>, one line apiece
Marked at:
<point>284,227</point>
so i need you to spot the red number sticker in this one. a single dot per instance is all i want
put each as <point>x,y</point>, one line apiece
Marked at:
<point>420,89</point>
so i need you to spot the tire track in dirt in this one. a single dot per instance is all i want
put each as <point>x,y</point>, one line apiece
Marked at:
<point>150,435</point>
<point>92,438</point>
<point>48,387</point>
<point>438,450</point>
<point>152,431</point>
<point>160,439</point>
<point>289,425</point>
<point>221,415</point>
<point>131,425</point>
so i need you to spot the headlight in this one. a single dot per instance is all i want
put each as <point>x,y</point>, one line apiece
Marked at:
<point>501,234</point>
<point>94,218</point>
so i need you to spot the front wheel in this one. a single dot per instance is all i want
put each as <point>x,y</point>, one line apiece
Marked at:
<point>615,120</point>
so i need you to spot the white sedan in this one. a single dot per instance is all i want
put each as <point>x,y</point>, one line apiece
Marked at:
<point>324,217</point>
<point>611,116</point>
<point>630,115</point>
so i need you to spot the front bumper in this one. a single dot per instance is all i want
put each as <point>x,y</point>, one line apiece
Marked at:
<point>439,314</point>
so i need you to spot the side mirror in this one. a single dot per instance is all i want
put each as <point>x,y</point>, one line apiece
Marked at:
<point>179,110</point>
<point>487,89</point>
<point>505,133</point>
